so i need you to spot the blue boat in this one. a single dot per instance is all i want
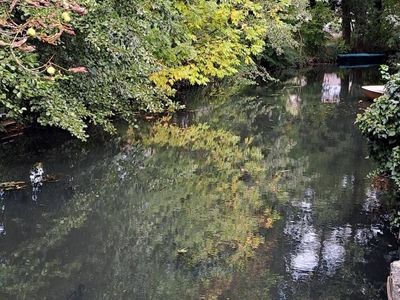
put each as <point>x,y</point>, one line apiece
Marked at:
<point>358,59</point>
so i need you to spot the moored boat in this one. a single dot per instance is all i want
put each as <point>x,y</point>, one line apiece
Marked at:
<point>373,91</point>
<point>359,59</point>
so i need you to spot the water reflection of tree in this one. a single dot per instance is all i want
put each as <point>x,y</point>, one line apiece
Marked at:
<point>167,220</point>
<point>330,160</point>
<point>328,137</point>
<point>180,216</point>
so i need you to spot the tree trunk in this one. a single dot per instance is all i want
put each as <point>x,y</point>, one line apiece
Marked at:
<point>346,22</point>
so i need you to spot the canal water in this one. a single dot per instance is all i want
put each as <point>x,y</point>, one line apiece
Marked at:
<point>250,193</point>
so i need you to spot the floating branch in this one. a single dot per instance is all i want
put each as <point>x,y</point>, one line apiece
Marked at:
<point>21,185</point>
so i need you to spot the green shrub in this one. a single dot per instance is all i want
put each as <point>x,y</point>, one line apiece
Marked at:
<point>380,123</point>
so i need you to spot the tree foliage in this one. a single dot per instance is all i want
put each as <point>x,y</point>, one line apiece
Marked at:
<point>313,33</point>
<point>370,25</point>
<point>29,30</point>
<point>116,59</point>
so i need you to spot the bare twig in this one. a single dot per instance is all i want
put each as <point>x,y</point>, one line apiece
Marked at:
<point>13,5</point>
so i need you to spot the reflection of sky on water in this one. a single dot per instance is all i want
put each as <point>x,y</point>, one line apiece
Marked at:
<point>348,181</point>
<point>293,104</point>
<point>329,249</point>
<point>299,81</point>
<point>371,202</point>
<point>323,250</point>
<point>364,235</point>
<point>305,260</point>
<point>331,88</point>
<point>333,252</point>
<point>306,242</point>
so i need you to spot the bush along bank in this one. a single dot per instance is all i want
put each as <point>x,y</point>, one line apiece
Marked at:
<point>380,123</point>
